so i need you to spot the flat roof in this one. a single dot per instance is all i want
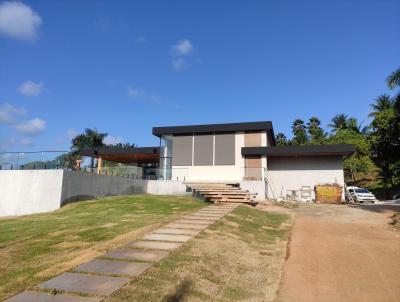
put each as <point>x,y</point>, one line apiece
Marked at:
<point>308,150</point>
<point>95,152</point>
<point>231,127</point>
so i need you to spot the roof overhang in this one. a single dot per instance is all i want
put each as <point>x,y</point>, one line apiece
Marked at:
<point>217,128</point>
<point>309,150</point>
<point>125,155</point>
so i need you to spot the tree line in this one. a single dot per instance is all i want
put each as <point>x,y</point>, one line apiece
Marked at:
<point>378,143</point>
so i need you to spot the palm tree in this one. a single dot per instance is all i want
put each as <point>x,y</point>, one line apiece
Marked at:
<point>338,122</point>
<point>393,80</point>
<point>315,131</point>
<point>382,103</point>
<point>90,139</point>
<point>352,124</point>
<point>299,132</point>
<point>281,139</point>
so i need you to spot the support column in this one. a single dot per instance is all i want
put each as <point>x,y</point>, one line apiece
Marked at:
<point>99,164</point>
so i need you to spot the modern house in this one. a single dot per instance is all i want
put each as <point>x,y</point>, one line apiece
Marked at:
<point>237,162</point>
<point>237,152</point>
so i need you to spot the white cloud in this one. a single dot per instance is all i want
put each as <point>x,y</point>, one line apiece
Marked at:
<point>134,92</point>
<point>180,55</point>
<point>31,127</point>
<point>179,64</point>
<point>25,142</point>
<point>8,113</point>
<point>19,21</point>
<point>182,48</point>
<point>112,140</point>
<point>30,88</point>
<point>140,40</point>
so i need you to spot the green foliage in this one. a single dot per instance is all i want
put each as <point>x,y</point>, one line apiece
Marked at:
<point>358,163</point>
<point>300,136</point>
<point>91,138</point>
<point>123,146</point>
<point>338,122</point>
<point>281,139</point>
<point>393,79</point>
<point>316,133</point>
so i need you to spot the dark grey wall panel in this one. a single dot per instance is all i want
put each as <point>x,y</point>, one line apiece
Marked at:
<point>182,147</point>
<point>203,150</point>
<point>225,149</point>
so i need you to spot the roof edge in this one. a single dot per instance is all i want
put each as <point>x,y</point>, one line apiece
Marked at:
<point>307,150</point>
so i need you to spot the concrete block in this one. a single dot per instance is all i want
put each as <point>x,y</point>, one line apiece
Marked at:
<point>80,283</point>
<point>31,296</point>
<point>156,245</point>
<point>113,267</point>
<point>165,237</point>
<point>140,255</point>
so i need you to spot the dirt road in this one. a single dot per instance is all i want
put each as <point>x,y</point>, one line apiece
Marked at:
<point>340,253</point>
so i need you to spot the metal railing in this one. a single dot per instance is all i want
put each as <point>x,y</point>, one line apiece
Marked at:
<point>33,160</point>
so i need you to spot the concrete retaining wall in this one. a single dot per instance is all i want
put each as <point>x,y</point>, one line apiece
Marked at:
<point>29,191</point>
<point>82,186</point>
<point>24,192</point>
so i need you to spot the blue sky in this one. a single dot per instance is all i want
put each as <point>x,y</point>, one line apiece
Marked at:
<point>126,66</point>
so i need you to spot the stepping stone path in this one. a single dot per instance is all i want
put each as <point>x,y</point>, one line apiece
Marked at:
<point>106,274</point>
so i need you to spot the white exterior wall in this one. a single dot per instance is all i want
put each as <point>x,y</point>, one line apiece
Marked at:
<point>219,172</point>
<point>29,191</point>
<point>24,192</point>
<point>291,173</point>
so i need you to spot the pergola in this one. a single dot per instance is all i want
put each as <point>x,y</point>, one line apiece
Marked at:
<point>138,156</point>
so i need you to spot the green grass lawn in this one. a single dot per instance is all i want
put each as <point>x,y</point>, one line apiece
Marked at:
<point>36,247</point>
<point>239,258</point>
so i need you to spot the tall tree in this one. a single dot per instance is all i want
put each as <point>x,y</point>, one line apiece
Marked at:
<point>393,80</point>
<point>300,136</point>
<point>90,139</point>
<point>360,163</point>
<point>338,122</point>
<point>281,139</point>
<point>382,102</point>
<point>315,131</point>
<point>353,125</point>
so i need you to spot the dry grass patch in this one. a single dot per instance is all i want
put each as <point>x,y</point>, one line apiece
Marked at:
<point>236,259</point>
<point>35,248</point>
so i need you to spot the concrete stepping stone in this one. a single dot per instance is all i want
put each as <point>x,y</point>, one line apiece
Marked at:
<point>194,221</point>
<point>200,218</point>
<point>89,284</point>
<point>166,237</point>
<point>30,296</point>
<point>186,226</point>
<point>205,215</point>
<point>156,245</point>
<point>140,255</point>
<point>176,231</point>
<point>114,267</point>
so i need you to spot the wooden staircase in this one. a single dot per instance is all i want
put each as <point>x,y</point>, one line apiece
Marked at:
<point>221,192</point>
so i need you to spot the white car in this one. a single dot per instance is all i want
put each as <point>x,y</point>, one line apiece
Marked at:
<point>360,195</point>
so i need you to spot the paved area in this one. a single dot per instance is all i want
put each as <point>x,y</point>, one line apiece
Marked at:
<point>104,275</point>
<point>341,253</point>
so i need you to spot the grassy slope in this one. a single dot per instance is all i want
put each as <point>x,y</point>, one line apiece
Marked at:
<point>238,258</point>
<point>33,248</point>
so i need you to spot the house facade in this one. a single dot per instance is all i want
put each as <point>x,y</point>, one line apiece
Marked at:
<point>245,153</point>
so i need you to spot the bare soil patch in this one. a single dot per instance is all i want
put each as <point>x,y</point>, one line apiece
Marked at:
<point>341,253</point>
